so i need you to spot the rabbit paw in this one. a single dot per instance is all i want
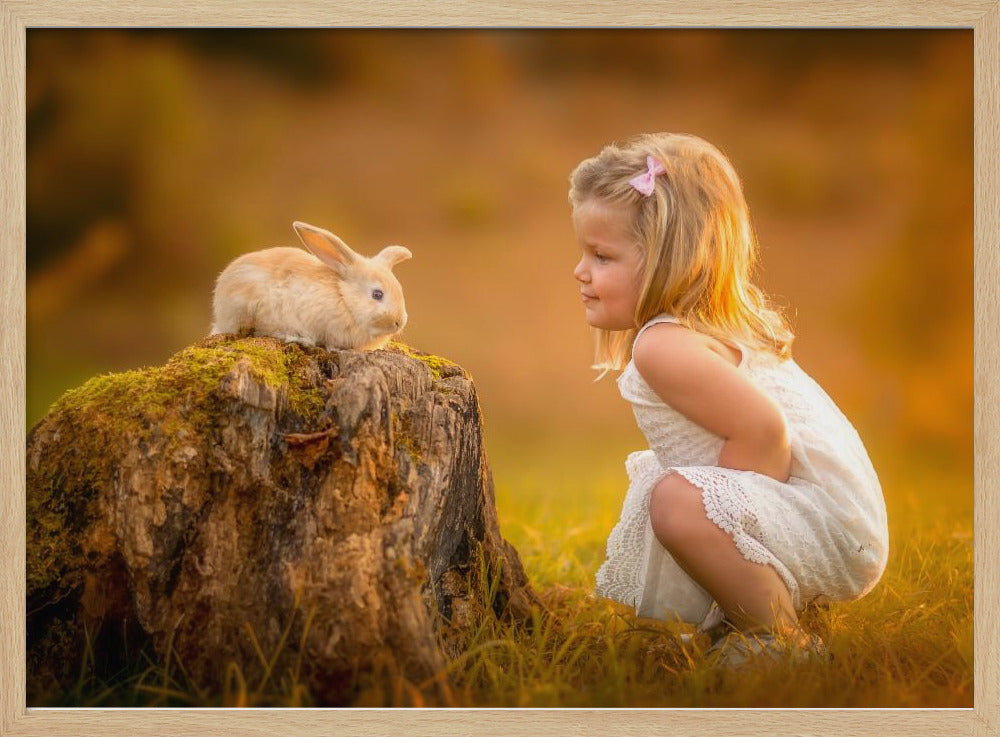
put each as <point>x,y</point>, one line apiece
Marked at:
<point>300,339</point>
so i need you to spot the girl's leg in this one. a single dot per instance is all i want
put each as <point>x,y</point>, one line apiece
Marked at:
<point>752,595</point>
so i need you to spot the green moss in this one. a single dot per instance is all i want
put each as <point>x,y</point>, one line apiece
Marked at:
<point>439,367</point>
<point>132,401</point>
<point>402,432</point>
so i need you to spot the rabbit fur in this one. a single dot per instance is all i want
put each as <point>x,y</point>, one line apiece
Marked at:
<point>330,296</point>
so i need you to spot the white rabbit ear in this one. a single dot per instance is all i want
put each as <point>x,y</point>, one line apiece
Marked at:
<point>325,246</point>
<point>392,255</point>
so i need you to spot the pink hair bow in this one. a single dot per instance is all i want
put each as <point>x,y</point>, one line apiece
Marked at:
<point>646,182</point>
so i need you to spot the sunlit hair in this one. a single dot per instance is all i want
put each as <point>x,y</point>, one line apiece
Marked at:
<point>698,247</point>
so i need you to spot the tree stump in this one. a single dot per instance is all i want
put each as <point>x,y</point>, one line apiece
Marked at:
<point>296,512</point>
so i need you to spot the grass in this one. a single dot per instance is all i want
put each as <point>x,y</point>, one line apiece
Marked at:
<point>909,643</point>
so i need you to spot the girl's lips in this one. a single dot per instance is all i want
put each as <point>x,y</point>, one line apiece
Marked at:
<point>587,297</point>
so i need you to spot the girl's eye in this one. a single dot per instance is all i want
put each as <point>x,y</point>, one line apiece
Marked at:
<point>377,295</point>
<point>601,258</point>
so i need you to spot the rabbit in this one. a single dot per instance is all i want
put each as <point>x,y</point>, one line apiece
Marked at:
<point>330,297</point>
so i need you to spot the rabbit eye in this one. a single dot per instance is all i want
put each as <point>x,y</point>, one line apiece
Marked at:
<point>377,295</point>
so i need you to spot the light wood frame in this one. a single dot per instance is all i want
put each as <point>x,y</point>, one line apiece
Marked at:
<point>983,16</point>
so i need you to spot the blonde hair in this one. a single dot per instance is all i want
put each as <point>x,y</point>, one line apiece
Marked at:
<point>698,247</point>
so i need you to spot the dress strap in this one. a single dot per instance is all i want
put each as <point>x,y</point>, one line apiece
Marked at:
<point>667,317</point>
<point>663,317</point>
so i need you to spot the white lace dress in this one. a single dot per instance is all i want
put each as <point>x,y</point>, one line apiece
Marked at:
<point>824,531</point>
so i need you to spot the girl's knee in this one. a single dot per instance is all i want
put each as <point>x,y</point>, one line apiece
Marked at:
<point>675,510</point>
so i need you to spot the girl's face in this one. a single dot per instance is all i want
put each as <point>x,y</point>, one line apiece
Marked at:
<point>610,270</point>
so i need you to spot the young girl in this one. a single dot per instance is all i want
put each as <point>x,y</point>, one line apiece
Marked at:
<point>756,497</point>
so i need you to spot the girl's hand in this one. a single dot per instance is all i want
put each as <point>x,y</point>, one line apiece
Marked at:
<point>685,371</point>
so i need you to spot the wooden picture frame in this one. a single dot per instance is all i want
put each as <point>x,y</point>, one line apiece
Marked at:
<point>982,16</point>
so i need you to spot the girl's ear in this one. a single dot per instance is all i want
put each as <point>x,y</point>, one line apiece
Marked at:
<point>325,246</point>
<point>392,255</point>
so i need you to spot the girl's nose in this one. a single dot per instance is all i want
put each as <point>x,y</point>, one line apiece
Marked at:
<point>579,273</point>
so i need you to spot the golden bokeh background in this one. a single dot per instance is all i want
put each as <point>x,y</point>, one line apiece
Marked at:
<point>156,156</point>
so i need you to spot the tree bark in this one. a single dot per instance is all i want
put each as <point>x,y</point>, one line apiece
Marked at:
<point>304,514</point>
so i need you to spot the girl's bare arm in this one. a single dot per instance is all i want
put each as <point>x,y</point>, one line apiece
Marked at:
<point>688,375</point>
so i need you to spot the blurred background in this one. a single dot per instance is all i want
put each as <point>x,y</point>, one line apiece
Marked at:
<point>155,157</point>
